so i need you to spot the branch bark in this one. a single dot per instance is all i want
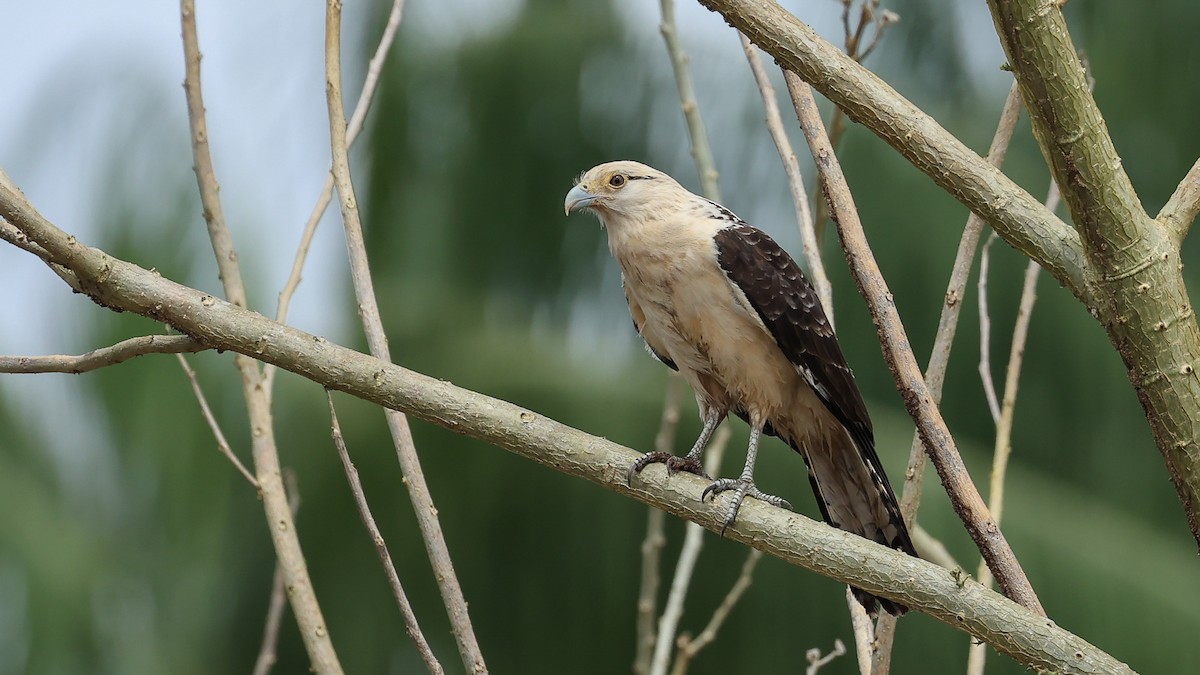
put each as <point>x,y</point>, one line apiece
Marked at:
<point>1182,208</point>
<point>303,598</point>
<point>1013,213</point>
<point>849,559</point>
<point>1140,298</point>
<point>105,356</point>
<point>368,308</point>
<point>964,497</point>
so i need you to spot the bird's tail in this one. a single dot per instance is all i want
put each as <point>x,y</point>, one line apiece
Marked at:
<point>853,494</point>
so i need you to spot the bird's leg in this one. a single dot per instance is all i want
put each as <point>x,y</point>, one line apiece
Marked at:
<point>743,486</point>
<point>691,461</point>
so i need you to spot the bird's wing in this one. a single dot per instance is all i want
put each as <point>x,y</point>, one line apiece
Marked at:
<point>639,322</point>
<point>788,306</point>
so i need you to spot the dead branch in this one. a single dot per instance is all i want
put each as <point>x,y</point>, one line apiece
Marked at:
<point>99,358</point>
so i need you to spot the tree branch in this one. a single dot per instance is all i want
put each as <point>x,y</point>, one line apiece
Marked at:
<point>1133,261</point>
<point>385,556</point>
<point>368,308</point>
<point>267,651</point>
<point>1014,213</point>
<point>937,439</point>
<point>374,69</point>
<point>303,598</point>
<point>1182,208</point>
<point>105,356</point>
<point>847,558</point>
<point>210,419</point>
<point>701,152</point>
<point>791,167</point>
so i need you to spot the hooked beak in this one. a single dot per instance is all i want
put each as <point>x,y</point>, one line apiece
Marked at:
<point>578,198</point>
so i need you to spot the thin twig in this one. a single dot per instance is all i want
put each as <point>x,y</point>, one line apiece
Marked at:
<point>368,306</point>
<point>939,359</point>
<point>985,331</point>
<point>977,653</point>
<point>898,352</point>
<point>1182,208</point>
<point>689,647</point>
<point>267,652</point>
<point>701,152</point>
<point>357,119</point>
<point>105,356</point>
<point>808,236</point>
<point>211,420</point>
<point>323,659</point>
<point>864,632</point>
<point>385,557</point>
<point>652,545</point>
<point>852,41</point>
<point>953,600</point>
<point>693,542</point>
<point>816,661</point>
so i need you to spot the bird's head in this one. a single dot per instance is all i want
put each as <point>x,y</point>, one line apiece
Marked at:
<point>622,189</point>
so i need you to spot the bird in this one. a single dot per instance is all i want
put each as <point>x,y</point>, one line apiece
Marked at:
<point>724,305</point>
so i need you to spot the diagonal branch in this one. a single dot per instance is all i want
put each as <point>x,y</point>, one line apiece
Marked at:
<point>849,559</point>
<point>1182,208</point>
<point>808,235</point>
<point>701,152</point>
<point>917,399</point>
<point>385,556</point>
<point>105,356</point>
<point>368,307</point>
<point>374,69</point>
<point>266,456</point>
<point>1133,261</point>
<point>1014,213</point>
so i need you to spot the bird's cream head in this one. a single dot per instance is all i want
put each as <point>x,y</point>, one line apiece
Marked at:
<point>621,190</point>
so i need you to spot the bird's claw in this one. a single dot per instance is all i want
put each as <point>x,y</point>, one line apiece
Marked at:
<point>742,488</point>
<point>674,464</point>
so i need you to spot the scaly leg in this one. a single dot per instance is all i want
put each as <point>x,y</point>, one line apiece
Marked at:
<point>691,461</point>
<point>743,486</point>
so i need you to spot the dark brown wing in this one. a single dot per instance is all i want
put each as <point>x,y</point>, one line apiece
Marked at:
<point>789,308</point>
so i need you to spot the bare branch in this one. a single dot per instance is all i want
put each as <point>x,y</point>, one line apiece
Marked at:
<point>816,661</point>
<point>864,634</point>
<point>385,557</point>
<point>211,420</point>
<point>791,166</point>
<point>307,611</point>
<point>99,358</point>
<point>1181,209</point>
<point>898,352</point>
<point>652,545</point>
<point>1004,424</point>
<point>374,69</point>
<point>985,332</point>
<point>368,306</point>
<point>847,558</point>
<point>688,648</point>
<point>701,152</point>
<point>693,542</point>
<point>939,360</point>
<point>1013,212</point>
<point>266,653</point>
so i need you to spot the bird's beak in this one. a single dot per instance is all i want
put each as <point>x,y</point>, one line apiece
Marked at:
<point>578,198</point>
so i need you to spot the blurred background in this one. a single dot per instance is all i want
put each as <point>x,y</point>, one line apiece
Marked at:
<point>128,545</point>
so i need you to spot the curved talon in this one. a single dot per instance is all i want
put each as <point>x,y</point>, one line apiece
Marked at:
<point>742,489</point>
<point>674,464</point>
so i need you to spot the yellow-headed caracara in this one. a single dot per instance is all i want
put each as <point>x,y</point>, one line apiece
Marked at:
<point>722,303</point>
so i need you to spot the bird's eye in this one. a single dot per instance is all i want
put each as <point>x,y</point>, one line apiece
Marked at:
<point>617,180</point>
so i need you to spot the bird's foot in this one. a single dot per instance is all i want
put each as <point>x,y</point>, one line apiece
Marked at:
<point>674,464</point>
<point>742,488</point>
